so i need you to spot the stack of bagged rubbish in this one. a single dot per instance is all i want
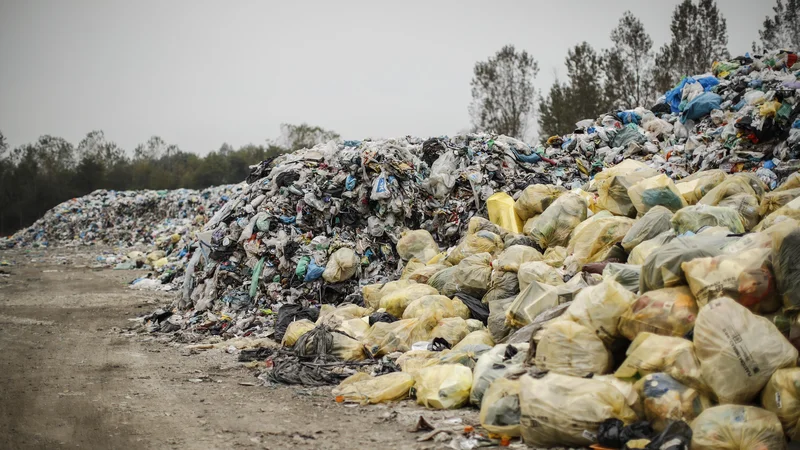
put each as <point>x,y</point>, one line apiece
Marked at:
<point>635,284</point>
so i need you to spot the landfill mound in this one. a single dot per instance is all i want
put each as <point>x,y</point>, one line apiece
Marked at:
<point>123,218</point>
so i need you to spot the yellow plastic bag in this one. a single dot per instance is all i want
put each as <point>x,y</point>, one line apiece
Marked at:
<point>731,186</point>
<point>571,349</point>
<point>341,266</point>
<point>443,386</point>
<point>665,399</point>
<point>653,223</point>
<point>415,360</point>
<point>501,212</point>
<point>373,293</point>
<point>368,390</point>
<point>589,222</point>
<point>412,266</point>
<point>527,229</point>
<point>738,351</point>
<point>747,207</point>
<point>423,274</point>
<point>512,257</point>
<point>600,307</point>
<point>555,256</point>
<point>642,251</point>
<point>480,242</point>
<point>659,190</point>
<point>554,226</point>
<point>652,353</point>
<point>355,328</point>
<point>384,338</point>
<point>538,271</point>
<point>595,242</point>
<point>333,316</point>
<point>451,329</point>
<point>792,182</point>
<point>668,312</point>
<point>613,183</point>
<point>662,268</point>
<point>494,364</point>
<point>500,409</point>
<point>790,210</point>
<point>745,276</point>
<point>535,199</point>
<point>437,305</point>
<point>772,201</point>
<point>396,302</point>
<point>781,395</point>
<point>696,186</point>
<point>538,297</point>
<point>737,427</point>
<point>295,330</point>
<point>417,244</point>
<point>473,274</point>
<point>560,410</point>
<point>478,337</point>
<point>692,218</point>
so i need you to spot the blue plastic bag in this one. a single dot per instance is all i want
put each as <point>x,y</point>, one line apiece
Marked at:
<point>313,271</point>
<point>701,106</point>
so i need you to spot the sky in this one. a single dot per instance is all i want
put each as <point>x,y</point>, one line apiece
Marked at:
<point>199,73</point>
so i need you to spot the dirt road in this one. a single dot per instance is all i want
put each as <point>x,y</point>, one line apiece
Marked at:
<point>74,374</point>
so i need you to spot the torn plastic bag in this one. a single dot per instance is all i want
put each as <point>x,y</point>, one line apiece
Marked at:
<point>697,185</point>
<point>555,256</point>
<point>395,303</point>
<point>626,275</point>
<point>594,243</point>
<point>384,338</point>
<point>512,257</point>
<point>560,410</point>
<point>738,351</point>
<point>554,226</point>
<point>737,427</point>
<point>451,329</point>
<point>613,183</point>
<point>474,338</point>
<point>787,269</point>
<point>656,191</point>
<point>747,207</point>
<point>443,175</point>
<point>500,207</point>
<point>665,399</point>
<point>652,353</point>
<point>790,210</point>
<point>500,409</point>
<point>773,201</point>
<point>668,312</point>
<point>364,389</point>
<point>473,273</point>
<point>480,242</point>
<point>535,199</point>
<point>443,386</point>
<point>496,322</point>
<point>692,218</point>
<point>653,223</point>
<point>477,310</point>
<point>493,365</point>
<point>600,307</point>
<point>502,285</point>
<point>568,348</point>
<point>417,244</point>
<point>322,341</point>
<point>639,254</point>
<point>295,330</point>
<point>745,276</point>
<point>781,395</point>
<point>663,267</point>
<point>540,272</point>
<point>437,305</point>
<point>373,293</point>
<point>341,266</point>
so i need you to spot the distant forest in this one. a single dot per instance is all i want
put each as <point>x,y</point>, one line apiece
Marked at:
<point>38,176</point>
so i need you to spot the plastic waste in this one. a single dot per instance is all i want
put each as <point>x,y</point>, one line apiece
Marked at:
<point>594,243</point>
<point>664,400</point>
<point>738,351</point>
<point>341,266</point>
<point>538,297</point>
<point>473,274</point>
<point>475,338</point>
<point>639,254</point>
<point>437,305</point>
<point>781,396</point>
<point>512,257</point>
<point>613,183</point>
<point>363,389</point>
<point>656,191</point>
<point>451,329</point>
<point>560,410</point>
<point>787,269</point>
<point>535,199</point>
<point>500,408</point>
<point>444,386</point>
<point>493,365</point>
<point>554,226</point>
<point>737,427</point>
<point>790,210</point>
<point>373,293</point>
<point>696,186</point>
<point>600,307</point>
<point>745,276</point>
<point>692,218</point>
<point>480,242</point>
<point>662,268</point>
<point>668,312</point>
<point>502,285</point>
<point>627,275</point>
<point>654,222</point>
<point>417,244</point>
<point>568,348</point>
<point>555,256</point>
<point>772,201</point>
<point>387,337</point>
<point>395,303</point>
<point>295,330</point>
<point>500,207</point>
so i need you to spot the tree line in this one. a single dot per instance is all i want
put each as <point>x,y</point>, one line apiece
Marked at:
<point>37,176</point>
<point>628,74</point>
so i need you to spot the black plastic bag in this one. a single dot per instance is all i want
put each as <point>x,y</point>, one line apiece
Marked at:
<point>288,314</point>
<point>477,310</point>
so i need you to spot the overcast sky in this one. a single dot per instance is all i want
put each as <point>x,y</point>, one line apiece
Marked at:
<point>200,73</point>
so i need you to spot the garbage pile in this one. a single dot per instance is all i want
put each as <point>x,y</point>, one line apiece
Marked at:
<point>124,218</point>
